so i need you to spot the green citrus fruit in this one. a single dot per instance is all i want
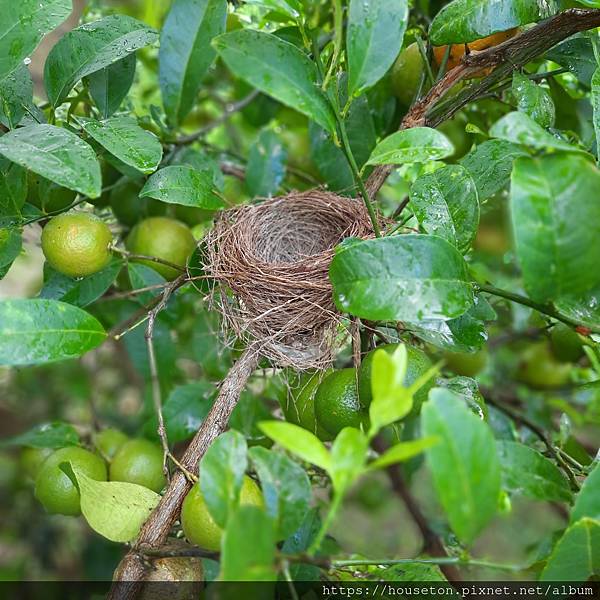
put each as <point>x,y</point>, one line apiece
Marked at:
<point>109,441</point>
<point>32,459</point>
<point>47,196</point>
<point>407,73</point>
<point>298,403</point>
<point>76,244</point>
<point>418,363</point>
<point>467,364</point>
<point>55,490</point>
<point>336,402</point>
<point>190,215</point>
<point>163,238</point>
<point>139,461</point>
<point>199,527</point>
<point>128,207</point>
<point>566,344</point>
<point>539,369</point>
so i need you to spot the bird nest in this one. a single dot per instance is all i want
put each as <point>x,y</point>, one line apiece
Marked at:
<point>271,265</point>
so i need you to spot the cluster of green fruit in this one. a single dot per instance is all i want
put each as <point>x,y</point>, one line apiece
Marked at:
<point>78,244</point>
<point>326,403</point>
<point>116,458</point>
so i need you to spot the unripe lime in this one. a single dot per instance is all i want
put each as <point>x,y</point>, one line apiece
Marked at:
<point>407,73</point>
<point>109,441</point>
<point>128,207</point>
<point>298,403</point>
<point>163,238</point>
<point>336,402</point>
<point>198,525</point>
<point>418,363</point>
<point>139,461</point>
<point>54,488</point>
<point>77,244</point>
<point>566,344</point>
<point>32,459</point>
<point>466,364</point>
<point>46,195</point>
<point>539,369</point>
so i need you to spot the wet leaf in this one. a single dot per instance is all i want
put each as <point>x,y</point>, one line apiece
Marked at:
<point>10,248</point>
<point>404,277</point>
<point>128,142</point>
<point>41,331</point>
<point>183,185</point>
<point>16,95</point>
<point>89,48</point>
<point>56,154</point>
<point>266,165</point>
<point>278,69</point>
<point>46,435</point>
<point>186,52</point>
<point>533,100</point>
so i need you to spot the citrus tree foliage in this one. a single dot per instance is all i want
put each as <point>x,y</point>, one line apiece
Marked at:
<point>481,279</point>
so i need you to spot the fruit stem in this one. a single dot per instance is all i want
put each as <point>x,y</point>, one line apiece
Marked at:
<point>545,309</point>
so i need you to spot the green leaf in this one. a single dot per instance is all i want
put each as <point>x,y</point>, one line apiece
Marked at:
<point>464,464</point>
<point>56,154</point>
<point>16,95</point>
<point>576,556</point>
<point>587,502</point>
<point>79,292</point>
<point>185,409</point>
<point>348,458</point>
<point>468,20</point>
<point>23,25</point>
<point>577,55</point>
<point>285,487</point>
<point>114,509</point>
<point>374,37</point>
<point>533,100</point>
<point>391,400</point>
<point>246,416</point>
<point>46,435</point>
<point>266,165</point>
<point>13,192</point>
<point>278,69</point>
<point>186,52</point>
<point>40,331</point>
<point>445,203</point>
<point>248,547</point>
<point>519,128</point>
<point>143,276</point>
<point>466,333</point>
<point>10,247</point>
<point>415,145</point>
<point>89,48</point>
<point>183,185</point>
<point>403,451</point>
<point>525,471</point>
<point>128,142</point>
<point>292,8</point>
<point>556,227</point>
<point>595,100</point>
<point>404,277</point>
<point>298,441</point>
<point>222,471</point>
<point>109,86</point>
<point>584,308</point>
<point>490,165</point>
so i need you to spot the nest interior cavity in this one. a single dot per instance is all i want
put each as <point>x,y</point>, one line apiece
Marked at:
<point>271,261</point>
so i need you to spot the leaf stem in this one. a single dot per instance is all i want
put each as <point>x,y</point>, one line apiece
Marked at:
<point>331,513</point>
<point>545,309</point>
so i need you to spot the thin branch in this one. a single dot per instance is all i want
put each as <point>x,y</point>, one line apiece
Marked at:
<point>230,109</point>
<point>155,259</point>
<point>156,529</point>
<point>504,59</point>
<point>431,542</point>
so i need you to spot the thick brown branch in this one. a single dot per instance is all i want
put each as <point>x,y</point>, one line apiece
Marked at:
<point>155,531</point>
<point>504,58</point>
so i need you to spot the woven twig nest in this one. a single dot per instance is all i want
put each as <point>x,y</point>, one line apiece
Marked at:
<point>271,263</point>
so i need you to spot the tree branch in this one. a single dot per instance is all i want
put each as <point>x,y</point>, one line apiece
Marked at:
<point>156,529</point>
<point>503,58</point>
